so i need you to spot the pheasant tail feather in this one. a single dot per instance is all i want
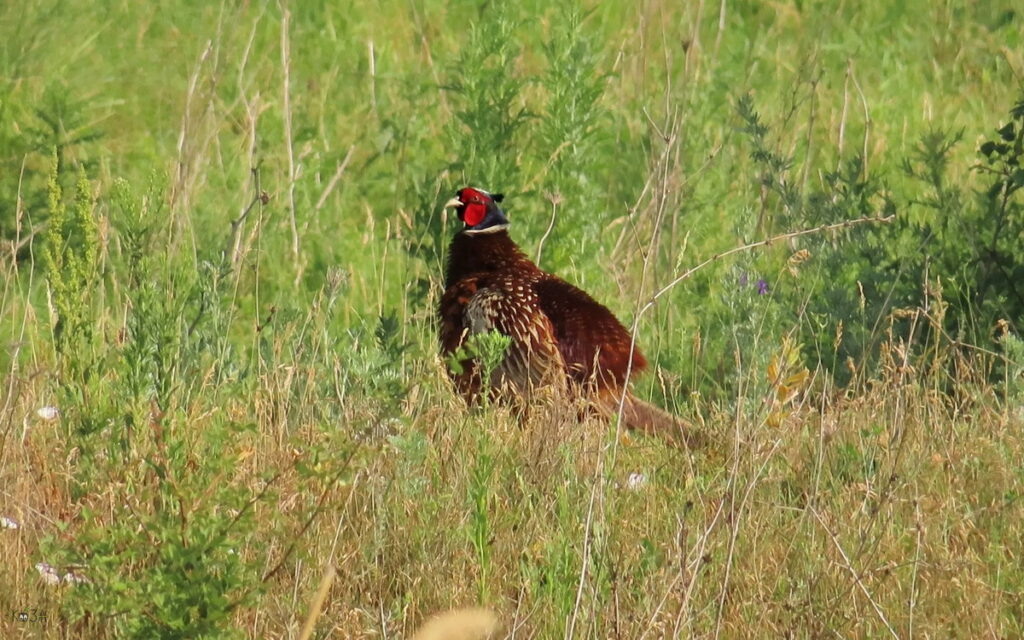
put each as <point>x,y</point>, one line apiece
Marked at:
<point>648,419</point>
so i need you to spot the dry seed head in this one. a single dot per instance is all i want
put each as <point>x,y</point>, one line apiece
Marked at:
<point>796,260</point>
<point>1002,327</point>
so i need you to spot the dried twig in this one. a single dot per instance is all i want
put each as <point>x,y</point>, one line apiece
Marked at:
<point>856,576</point>
<point>334,179</point>
<point>754,245</point>
<point>317,510</point>
<point>317,605</point>
<point>286,63</point>
<point>555,200</point>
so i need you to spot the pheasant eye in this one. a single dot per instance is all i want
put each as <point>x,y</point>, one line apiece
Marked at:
<point>474,213</point>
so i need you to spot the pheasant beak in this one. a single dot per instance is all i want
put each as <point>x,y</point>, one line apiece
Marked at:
<point>453,203</point>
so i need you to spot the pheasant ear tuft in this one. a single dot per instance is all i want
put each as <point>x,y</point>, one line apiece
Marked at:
<point>498,197</point>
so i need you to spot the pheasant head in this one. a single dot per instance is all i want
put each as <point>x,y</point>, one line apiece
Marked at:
<point>483,243</point>
<point>479,211</point>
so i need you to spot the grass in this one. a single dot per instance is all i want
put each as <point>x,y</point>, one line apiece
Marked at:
<point>244,360</point>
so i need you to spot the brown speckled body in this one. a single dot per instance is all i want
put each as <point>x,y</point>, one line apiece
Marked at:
<point>559,333</point>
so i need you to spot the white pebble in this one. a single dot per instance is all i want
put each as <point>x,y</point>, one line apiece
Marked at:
<point>636,481</point>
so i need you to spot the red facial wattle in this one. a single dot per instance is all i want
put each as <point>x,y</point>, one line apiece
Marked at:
<point>474,213</point>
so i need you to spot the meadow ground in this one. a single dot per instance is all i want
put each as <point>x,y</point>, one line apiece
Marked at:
<point>222,250</point>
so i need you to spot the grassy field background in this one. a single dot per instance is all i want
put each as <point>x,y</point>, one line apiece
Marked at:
<point>223,248</point>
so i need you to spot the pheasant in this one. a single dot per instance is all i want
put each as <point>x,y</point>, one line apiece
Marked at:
<point>560,336</point>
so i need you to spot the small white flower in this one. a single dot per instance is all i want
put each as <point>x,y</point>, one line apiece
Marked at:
<point>47,573</point>
<point>8,523</point>
<point>636,481</point>
<point>48,413</point>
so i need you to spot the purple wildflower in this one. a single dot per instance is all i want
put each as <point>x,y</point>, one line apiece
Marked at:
<point>762,287</point>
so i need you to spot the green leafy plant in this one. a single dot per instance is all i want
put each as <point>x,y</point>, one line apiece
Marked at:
<point>568,140</point>
<point>490,112</point>
<point>486,349</point>
<point>481,492</point>
<point>172,562</point>
<point>1013,349</point>
<point>944,243</point>
<point>71,259</point>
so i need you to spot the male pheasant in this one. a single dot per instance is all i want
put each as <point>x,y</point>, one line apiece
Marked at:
<point>560,336</point>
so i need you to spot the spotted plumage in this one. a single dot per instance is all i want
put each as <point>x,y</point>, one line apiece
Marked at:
<point>561,337</point>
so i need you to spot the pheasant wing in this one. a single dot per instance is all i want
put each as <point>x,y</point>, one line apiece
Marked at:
<point>594,344</point>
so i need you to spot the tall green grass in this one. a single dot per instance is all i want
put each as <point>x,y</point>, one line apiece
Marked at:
<point>223,249</point>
